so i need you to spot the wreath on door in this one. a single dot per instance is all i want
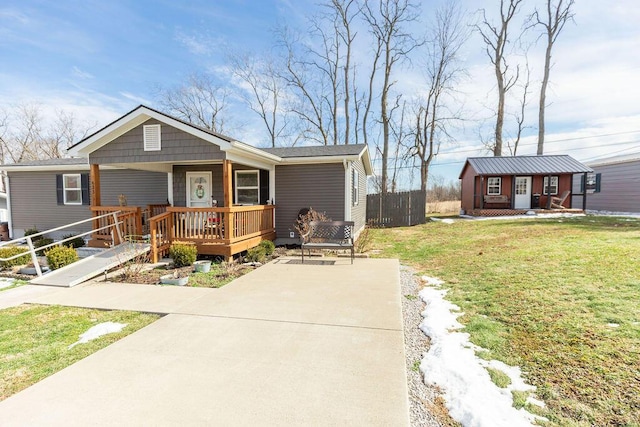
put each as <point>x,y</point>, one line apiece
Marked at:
<point>200,191</point>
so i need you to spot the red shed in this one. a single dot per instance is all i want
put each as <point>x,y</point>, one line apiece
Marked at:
<point>516,184</point>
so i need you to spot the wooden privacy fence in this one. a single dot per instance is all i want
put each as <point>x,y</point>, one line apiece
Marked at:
<point>397,209</point>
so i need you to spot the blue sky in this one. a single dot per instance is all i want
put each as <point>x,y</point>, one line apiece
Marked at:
<point>100,59</point>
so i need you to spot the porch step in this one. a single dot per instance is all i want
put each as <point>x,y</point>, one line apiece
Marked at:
<point>87,268</point>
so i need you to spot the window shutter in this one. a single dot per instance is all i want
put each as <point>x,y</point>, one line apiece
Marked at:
<point>598,182</point>
<point>84,183</point>
<point>59,189</point>
<point>151,135</point>
<point>264,186</point>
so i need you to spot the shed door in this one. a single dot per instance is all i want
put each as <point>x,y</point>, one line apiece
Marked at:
<point>522,198</point>
<point>198,189</point>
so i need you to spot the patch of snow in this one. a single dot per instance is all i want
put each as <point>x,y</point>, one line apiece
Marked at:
<point>612,213</point>
<point>533,401</point>
<point>471,397</point>
<point>613,325</point>
<point>5,282</point>
<point>97,331</point>
<point>432,281</point>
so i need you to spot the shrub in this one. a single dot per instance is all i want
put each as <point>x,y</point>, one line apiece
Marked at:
<point>59,256</point>
<point>43,241</point>
<point>256,254</point>
<point>302,223</point>
<point>30,231</point>
<point>183,254</point>
<point>8,251</point>
<point>76,242</point>
<point>268,246</point>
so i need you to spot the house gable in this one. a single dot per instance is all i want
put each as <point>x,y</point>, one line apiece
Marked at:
<point>176,145</point>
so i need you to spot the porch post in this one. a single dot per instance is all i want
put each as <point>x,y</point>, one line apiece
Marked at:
<point>548,190</point>
<point>94,184</point>
<point>227,183</point>
<point>481,191</point>
<point>584,192</point>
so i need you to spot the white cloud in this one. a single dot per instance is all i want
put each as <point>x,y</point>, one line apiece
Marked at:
<point>78,73</point>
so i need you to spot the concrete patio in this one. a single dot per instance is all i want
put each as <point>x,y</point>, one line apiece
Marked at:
<point>287,344</point>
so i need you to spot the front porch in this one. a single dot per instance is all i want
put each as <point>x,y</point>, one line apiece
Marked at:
<point>215,231</point>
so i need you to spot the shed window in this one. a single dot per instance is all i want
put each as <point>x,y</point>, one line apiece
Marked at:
<point>355,187</point>
<point>553,187</point>
<point>72,189</point>
<point>494,186</point>
<point>152,140</point>
<point>247,188</point>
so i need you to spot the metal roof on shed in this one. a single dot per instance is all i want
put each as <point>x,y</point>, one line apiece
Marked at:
<point>526,165</point>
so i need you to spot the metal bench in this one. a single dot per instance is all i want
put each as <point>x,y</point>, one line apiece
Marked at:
<point>336,235</point>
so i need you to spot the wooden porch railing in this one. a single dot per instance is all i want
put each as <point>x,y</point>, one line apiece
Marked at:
<point>212,226</point>
<point>130,217</point>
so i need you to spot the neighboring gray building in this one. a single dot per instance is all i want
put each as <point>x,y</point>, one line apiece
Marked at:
<point>153,159</point>
<point>615,185</point>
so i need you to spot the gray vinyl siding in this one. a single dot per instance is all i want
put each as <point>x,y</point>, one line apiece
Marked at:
<point>619,188</point>
<point>34,202</point>
<point>319,186</point>
<point>176,145</point>
<point>141,188</point>
<point>359,212</point>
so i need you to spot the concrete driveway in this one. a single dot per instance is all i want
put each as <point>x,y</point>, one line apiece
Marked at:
<point>287,344</point>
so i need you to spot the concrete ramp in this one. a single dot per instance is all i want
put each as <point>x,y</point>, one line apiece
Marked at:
<point>92,266</point>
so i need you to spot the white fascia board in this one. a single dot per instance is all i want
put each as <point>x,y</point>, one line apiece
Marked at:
<point>136,118</point>
<point>366,161</point>
<point>255,162</point>
<point>241,148</point>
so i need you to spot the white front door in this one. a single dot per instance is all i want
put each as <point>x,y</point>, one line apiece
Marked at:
<point>522,198</point>
<point>198,189</point>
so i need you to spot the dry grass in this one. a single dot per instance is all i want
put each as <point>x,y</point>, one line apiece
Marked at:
<point>445,208</point>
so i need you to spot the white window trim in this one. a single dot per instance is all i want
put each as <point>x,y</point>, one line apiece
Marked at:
<point>489,193</point>
<point>544,184</point>
<point>150,129</point>
<point>65,189</point>
<point>355,187</point>
<point>252,187</point>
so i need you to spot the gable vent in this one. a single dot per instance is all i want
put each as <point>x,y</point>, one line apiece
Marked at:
<point>151,137</point>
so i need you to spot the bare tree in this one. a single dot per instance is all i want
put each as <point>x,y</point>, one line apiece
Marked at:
<point>318,72</point>
<point>496,38</point>
<point>201,101</point>
<point>263,92</point>
<point>443,71</point>
<point>388,23</point>
<point>557,15</point>
<point>520,115</point>
<point>30,136</point>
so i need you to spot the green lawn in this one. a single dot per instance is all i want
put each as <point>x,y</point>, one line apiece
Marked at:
<point>558,297</point>
<point>34,340</point>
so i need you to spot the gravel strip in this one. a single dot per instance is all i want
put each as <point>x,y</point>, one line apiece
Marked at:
<point>424,407</point>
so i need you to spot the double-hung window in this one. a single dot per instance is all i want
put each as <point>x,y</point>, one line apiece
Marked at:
<point>552,188</point>
<point>355,187</point>
<point>494,186</point>
<point>72,189</point>
<point>247,187</point>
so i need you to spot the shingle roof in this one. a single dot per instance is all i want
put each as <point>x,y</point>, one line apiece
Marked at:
<point>67,161</point>
<point>317,150</point>
<point>526,165</point>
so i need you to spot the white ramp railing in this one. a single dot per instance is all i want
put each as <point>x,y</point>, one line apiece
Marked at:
<point>32,249</point>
